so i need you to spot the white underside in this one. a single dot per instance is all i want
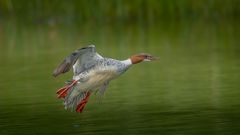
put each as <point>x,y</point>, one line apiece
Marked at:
<point>94,80</point>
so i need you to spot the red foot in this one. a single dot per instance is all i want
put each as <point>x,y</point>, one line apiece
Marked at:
<point>62,92</point>
<point>83,103</point>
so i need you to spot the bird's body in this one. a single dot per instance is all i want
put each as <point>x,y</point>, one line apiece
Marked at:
<point>92,73</point>
<point>95,79</point>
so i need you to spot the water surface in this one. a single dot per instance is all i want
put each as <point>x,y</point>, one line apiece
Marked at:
<point>193,88</point>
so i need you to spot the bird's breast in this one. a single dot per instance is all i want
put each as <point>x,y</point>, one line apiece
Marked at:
<point>98,77</point>
<point>102,75</point>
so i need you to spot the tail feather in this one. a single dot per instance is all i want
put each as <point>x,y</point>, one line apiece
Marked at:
<point>78,102</point>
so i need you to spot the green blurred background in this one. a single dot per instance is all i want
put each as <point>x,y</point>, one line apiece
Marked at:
<point>193,89</point>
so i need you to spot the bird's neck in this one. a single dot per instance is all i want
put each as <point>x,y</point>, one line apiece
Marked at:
<point>127,62</point>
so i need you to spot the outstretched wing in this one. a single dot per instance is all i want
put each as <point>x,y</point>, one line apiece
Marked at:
<point>80,60</point>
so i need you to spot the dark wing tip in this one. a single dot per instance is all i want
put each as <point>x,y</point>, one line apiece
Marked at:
<point>62,68</point>
<point>56,72</point>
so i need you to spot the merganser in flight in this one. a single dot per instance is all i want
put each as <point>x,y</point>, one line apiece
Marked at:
<point>92,73</point>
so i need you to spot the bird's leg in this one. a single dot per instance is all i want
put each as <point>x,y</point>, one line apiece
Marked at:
<point>62,92</point>
<point>83,103</point>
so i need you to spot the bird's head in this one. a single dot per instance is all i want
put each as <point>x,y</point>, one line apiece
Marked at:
<point>142,57</point>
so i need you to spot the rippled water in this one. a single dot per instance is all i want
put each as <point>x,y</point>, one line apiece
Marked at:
<point>193,89</point>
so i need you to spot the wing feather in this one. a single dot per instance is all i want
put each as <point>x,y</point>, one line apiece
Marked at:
<point>80,60</point>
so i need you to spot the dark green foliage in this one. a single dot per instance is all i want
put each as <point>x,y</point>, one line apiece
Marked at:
<point>101,11</point>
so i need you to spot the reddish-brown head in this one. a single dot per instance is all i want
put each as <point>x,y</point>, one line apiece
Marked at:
<point>142,57</point>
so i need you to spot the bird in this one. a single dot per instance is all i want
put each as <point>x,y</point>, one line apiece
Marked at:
<point>91,74</point>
